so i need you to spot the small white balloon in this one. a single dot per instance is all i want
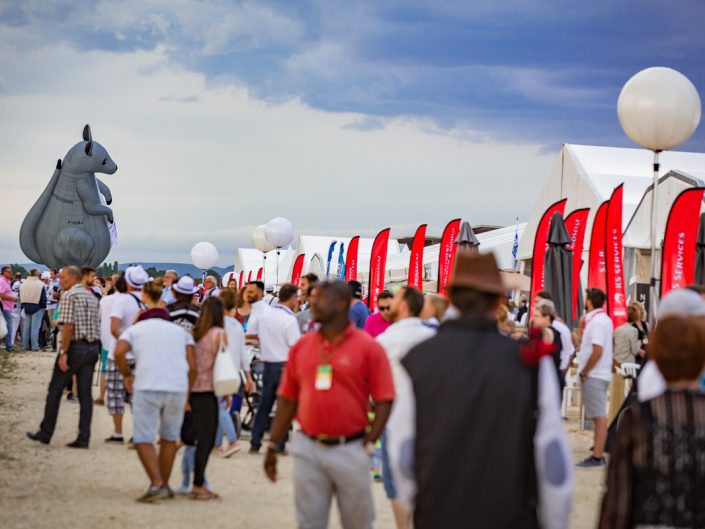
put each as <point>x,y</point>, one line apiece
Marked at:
<point>659,108</point>
<point>204,255</point>
<point>280,232</point>
<point>259,239</point>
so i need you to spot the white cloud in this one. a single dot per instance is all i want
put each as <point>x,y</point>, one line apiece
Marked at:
<point>202,160</point>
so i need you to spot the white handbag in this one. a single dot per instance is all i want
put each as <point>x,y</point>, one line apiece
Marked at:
<point>226,377</point>
<point>3,328</point>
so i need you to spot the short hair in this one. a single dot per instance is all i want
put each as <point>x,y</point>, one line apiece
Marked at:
<point>470,301</point>
<point>546,308</point>
<point>153,290</point>
<point>87,270</point>
<point>414,300</point>
<point>258,284</point>
<point>230,298</point>
<point>385,294</point>
<point>287,291</point>
<point>633,312</point>
<point>338,288</point>
<point>544,294</point>
<point>312,278</point>
<point>33,272</point>
<point>355,289</point>
<point>6,268</point>
<point>211,278</point>
<point>172,272</point>
<point>440,304</point>
<point>73,271</point>
<point>596,297</point>
<point>677,345</point>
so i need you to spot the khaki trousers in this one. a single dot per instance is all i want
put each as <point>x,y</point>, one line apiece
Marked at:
<point>321,472</point>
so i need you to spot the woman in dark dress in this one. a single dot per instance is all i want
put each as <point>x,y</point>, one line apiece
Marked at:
<point>656,475</point>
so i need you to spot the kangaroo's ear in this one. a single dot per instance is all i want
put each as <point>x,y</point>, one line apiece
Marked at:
<point>58,163</point>
<point>89,148</point>
<point>87,133</point>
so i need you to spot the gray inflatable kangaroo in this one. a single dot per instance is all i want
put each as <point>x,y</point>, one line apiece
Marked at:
<point>69,223</point>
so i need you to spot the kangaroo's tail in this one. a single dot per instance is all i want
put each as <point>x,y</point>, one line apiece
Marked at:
<point>29,224</point>
<point>73,246</point>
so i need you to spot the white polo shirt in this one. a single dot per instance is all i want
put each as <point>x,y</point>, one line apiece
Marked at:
<point>567,347</point>
<point>277,330</point>
<point>598,331</point>
<point>159,347</point>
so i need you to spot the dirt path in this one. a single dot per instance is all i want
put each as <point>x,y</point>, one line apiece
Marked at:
<point>56,487</point>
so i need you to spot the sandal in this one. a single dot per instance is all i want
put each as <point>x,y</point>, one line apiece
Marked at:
<point>204,496</point>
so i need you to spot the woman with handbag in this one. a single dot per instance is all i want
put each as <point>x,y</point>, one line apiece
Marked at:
<point>210,337</point>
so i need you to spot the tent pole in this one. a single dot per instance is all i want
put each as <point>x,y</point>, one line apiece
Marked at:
<point>653,291</point>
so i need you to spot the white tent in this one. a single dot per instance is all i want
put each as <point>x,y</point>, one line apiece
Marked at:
<point>251,260</point>
<point>587,175</point>
<point>499,242</point>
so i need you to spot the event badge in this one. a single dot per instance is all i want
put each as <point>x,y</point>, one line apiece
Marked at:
<point>324,377</point>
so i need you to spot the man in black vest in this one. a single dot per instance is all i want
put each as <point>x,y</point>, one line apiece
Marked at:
<point>477,397</point>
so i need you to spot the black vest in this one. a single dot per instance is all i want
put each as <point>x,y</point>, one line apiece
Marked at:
<point>475,422</point>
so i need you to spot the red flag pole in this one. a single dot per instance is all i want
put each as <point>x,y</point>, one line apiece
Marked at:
<point>446,255</point>
<point>576,223</point>
<point>540,247</point>
<point>351,259</point>
<point>416,258</point>
<point>378,263</point>
<point>616,291</point>
<point>679,241</point>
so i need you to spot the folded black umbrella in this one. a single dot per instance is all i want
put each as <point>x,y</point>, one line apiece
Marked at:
<point>558,269</point>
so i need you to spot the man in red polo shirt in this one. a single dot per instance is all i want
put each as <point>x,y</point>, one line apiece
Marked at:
<point>327,384</point>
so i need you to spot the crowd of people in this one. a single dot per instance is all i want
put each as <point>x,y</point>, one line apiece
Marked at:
<point>459,397</point>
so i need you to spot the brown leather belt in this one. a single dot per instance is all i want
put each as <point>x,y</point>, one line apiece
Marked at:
<point>334,440</point>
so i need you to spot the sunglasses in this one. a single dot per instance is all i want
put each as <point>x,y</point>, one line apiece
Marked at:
<point>382,309</point>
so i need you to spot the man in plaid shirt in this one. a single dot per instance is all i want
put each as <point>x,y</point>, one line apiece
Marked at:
<point>79,318</point>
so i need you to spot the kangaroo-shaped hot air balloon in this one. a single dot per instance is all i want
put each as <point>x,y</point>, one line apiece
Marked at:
<point>70,223</point>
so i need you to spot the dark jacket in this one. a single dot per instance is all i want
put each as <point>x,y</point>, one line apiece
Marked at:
<point>475,409</point>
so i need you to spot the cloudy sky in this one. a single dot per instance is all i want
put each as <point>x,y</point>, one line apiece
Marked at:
<point>345,117</point>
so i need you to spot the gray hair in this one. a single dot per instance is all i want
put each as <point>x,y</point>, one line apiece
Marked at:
<point>546,307</point>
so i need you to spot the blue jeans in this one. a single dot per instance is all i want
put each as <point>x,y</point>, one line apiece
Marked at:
<point>270,383</point>
<point>7,314</point>
<point>30,329</point>
<point>188,466</point>
<point>225,425</point>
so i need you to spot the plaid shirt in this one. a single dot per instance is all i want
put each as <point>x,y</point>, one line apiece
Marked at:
<point>80,307</point>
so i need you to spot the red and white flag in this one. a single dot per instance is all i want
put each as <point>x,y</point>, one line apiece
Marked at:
<point>416,258</point>
<point>679,242</point>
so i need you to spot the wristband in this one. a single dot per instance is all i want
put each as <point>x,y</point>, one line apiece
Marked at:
<point>273,446</point>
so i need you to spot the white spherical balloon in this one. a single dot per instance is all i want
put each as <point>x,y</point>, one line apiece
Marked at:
<point>280,232</point>
<point>259,239</point>
<point>204,255</point>
<point>659,108</point>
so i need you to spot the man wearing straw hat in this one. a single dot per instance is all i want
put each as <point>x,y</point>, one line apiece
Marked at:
<point>485,445</point>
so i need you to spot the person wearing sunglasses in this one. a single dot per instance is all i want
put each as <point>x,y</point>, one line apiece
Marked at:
<point>378,322</point>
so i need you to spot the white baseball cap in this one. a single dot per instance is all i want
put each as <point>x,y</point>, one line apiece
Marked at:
<point>46,275</point>
<point>136,276</point>
<point>681,302</point>
<point>185,285</point>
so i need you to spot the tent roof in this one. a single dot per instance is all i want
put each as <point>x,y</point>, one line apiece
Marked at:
<point>586,175</point>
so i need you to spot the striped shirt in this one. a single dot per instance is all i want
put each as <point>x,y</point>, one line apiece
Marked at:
<point>79,306</point>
